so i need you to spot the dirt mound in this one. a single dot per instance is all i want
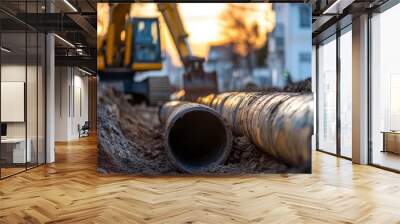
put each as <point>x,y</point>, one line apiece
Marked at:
<point>129,138</point>
<point>302,86</point>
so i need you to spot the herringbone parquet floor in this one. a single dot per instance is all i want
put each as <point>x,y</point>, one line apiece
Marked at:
<point>70,191</point>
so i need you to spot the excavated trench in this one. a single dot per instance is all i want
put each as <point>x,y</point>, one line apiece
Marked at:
<point>130,140</point>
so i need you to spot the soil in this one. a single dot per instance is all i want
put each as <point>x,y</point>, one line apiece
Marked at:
<point>130,141</point>
<point>302,86</point>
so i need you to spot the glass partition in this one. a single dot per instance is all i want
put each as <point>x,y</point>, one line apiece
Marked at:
<point>22,77</point>
<point>15,149</point>
<point>35,88</point>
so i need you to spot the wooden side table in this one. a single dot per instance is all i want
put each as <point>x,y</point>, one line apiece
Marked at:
<point>391,141</point>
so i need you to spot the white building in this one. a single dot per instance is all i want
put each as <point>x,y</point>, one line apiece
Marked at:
<point>289,44</point>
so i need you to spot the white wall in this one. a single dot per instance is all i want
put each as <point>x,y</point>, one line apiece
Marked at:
<point>71,94</point>
<point>81,103</point>
<point>9,73</point>
<point>33,127</point>
<point>62,83</point>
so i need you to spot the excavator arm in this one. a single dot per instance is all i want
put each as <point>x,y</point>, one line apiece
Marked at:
<point>196,82</point>
<point>115,28</point>
<point>175,26</point>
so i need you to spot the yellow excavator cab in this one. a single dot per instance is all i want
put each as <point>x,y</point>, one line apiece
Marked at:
<point>143,49</point>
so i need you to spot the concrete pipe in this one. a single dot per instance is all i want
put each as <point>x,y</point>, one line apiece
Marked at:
<point>196,137</point>
<point>280,124</point>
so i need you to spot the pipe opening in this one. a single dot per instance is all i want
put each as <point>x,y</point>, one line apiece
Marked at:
<point>198,139</point>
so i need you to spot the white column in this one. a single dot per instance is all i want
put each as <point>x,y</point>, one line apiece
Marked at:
<point>50,92</point>
<point>50,99</point>
<point>360,90</point>
<point>314,91</point>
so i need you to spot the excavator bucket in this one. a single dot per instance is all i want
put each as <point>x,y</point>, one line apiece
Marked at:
<point>197,82</point>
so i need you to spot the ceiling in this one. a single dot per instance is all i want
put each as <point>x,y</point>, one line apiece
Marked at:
<point>329,15</point>
<point>74,21</point>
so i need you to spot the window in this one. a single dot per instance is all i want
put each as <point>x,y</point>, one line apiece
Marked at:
<point>146,40</point>
<point>305,16</point>
<point>305,57</point>
<point>346,94</point>
<point>304,65</point>
<point>327,96</point>
<point>385,89</point>
<point>314,90</point>
<point>279,43</point>
<point>333,136</point>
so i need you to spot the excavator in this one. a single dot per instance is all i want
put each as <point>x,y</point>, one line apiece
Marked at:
<point>132,44</point>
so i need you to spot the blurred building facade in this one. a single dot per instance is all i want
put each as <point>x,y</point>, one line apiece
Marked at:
<point>289,44</point>
<point>221,59</point>
<point>232,71</point>
<point>288,54</point>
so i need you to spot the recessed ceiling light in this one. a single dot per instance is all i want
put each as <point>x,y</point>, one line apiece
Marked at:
<point>84,71</point>
<point>64,40</point>
<point>5,49</point>
<point>70,5</point>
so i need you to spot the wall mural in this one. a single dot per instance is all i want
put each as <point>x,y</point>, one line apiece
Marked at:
<point>204,89</point>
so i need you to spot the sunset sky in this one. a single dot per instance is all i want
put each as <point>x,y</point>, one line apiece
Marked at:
<point>201,21</point>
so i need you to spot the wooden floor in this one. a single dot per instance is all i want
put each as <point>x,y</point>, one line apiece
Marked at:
<point>70,191</point>
<point>10,171</point>
<point>386,159</point>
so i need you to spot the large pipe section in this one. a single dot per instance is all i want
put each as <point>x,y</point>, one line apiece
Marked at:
<point>280,124</point>
<point>196,137</point>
